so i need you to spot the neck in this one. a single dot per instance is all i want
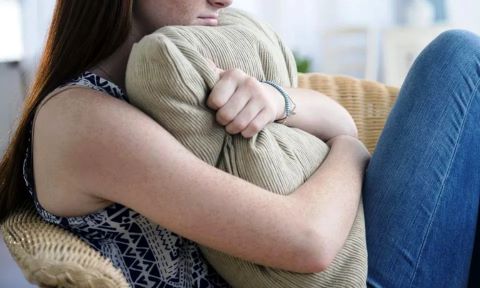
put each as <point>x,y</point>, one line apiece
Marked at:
<point>113,67</point>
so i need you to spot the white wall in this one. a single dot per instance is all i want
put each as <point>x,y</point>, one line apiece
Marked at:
<point>304,23</point>
<point>36,17</point>
<point>464,14</point>
<point>10,31</point>
<point>10,100</point>
<point>36,20</point>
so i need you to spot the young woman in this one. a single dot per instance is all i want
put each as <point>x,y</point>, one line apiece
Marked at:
<point>87,161</point>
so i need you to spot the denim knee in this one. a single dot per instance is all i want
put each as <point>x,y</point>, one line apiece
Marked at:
<point>454,56</point>
<point>450,63</point>
<point>457,35</point>
<point>467,42</point>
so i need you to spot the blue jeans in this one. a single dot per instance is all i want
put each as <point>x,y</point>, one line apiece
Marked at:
<point>422,186</point>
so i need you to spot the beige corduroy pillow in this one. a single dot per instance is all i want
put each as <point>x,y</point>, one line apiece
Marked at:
<point>169,78</point>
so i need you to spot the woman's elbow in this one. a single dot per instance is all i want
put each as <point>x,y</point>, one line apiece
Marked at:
<point>320,262</point>
<point>346,127</point>
<point>351,130</point>
<point>350,127</point>
<point>346,130</point>
<point>315,265</point>
<point>318,253</point>
<point>355,131</point>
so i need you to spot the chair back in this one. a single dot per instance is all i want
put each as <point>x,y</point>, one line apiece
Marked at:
<point>368,102</point>
<point>49,256</point>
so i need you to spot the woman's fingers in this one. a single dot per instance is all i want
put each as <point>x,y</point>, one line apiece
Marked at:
<point>211,64</point>
<point>225,88</point>
<point>245,117</point>
<point>237,102</point>
<point>256,125</point>
<point>214,67</point>
<point>243,105</point>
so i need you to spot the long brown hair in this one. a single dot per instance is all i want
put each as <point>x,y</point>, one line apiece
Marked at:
<point>82,33</point>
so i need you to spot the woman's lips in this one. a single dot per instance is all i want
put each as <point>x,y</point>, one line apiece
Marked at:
<point>208,20</point>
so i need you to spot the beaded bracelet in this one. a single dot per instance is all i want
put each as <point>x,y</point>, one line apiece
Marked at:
<point>289,104</point>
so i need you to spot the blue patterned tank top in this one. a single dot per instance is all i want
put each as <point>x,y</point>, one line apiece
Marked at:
<point>147,254</point>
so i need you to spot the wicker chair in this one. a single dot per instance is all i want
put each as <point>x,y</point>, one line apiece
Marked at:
<point>52,257</point>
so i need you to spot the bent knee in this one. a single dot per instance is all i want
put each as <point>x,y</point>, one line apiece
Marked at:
<point>466,42</point>
<point>458,35</point>
<point>452,48</point>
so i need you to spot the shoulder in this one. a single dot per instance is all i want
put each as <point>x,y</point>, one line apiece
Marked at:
<point>72,101</point>
<point>74,115</point>
<point>77,112</point>
<point>69,125</point>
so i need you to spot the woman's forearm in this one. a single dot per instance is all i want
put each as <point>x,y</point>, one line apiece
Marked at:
<point>331,196</point>
<point>320,115</point>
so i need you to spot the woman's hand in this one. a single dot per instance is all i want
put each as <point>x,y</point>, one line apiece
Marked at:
<point>243,104</point>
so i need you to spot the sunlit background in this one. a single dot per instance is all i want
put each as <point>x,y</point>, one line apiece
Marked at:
<point>371,39</point>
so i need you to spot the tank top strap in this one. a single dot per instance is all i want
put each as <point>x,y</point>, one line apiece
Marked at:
<point>93,81</point>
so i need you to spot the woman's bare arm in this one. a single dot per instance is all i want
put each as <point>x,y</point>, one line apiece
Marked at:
<point>108,150</point>
<point>320,115</point>
<point>238,97</point>
<point>335,205</point>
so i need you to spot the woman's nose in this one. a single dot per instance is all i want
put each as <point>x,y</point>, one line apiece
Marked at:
<point>220,3</point>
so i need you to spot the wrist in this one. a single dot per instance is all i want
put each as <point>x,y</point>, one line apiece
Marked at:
<point>279,101</point>
<point>287,106</point>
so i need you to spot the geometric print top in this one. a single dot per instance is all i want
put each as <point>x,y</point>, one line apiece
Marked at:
<point>147,254</point>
